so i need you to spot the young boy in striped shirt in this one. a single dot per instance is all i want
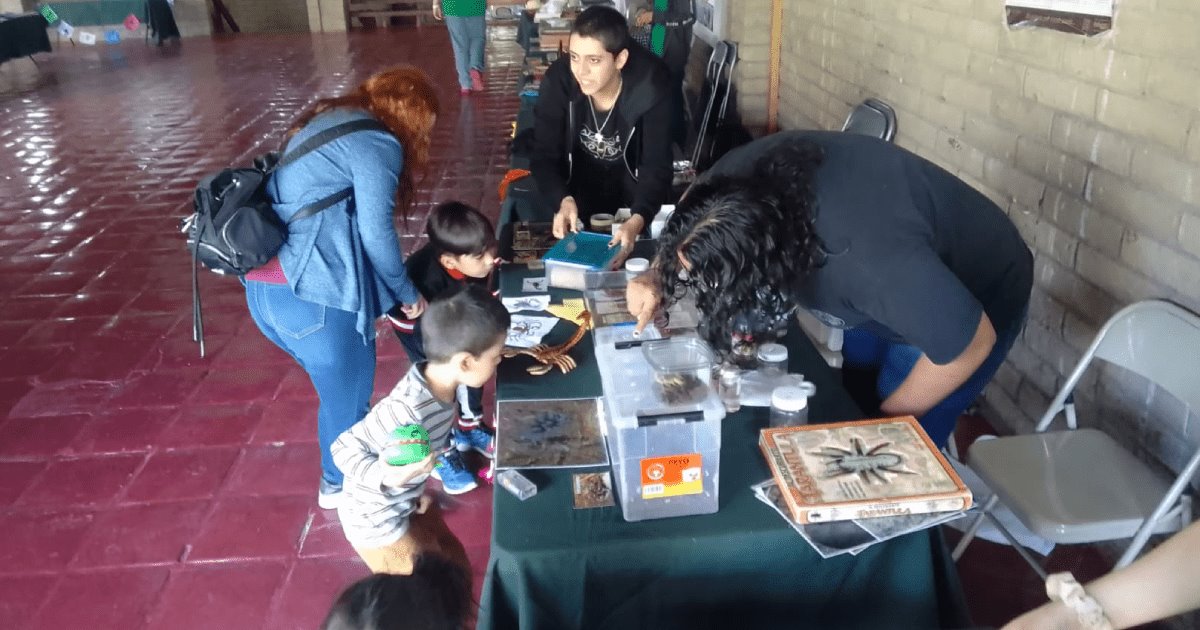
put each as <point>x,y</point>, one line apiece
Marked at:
<point>461,251</point>
<point>385,514</point>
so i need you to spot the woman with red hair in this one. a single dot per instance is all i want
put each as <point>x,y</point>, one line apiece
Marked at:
<point>356,158</point>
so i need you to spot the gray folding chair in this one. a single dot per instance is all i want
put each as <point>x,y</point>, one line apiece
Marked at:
<point>872,117</point>
<point>1080,485</point>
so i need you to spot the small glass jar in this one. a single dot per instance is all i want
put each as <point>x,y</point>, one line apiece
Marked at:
<point>729,386</point>
<point>601,223</point>
<point>773,359</point>
<point>635,267</point>
<point>743,346</point>
<point>789,405</point>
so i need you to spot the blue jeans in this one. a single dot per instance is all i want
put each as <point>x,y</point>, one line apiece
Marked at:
<point>467,36</point>
<point>326,343</point>
<point>896,360</point>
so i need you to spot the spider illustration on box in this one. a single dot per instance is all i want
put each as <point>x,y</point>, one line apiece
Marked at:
<point>869,464</point>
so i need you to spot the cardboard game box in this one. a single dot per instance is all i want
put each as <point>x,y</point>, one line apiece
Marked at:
<point>862,469</point>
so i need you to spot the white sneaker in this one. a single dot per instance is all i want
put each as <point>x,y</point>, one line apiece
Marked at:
<point>329,496</point>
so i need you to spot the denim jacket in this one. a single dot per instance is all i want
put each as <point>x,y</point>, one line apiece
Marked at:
<point>347,257</point>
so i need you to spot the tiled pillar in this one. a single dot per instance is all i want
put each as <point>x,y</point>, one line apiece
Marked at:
<point>193,18</point>
<point>326,15</point>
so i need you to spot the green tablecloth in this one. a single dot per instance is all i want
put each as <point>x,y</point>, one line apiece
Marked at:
<point>555,567</point>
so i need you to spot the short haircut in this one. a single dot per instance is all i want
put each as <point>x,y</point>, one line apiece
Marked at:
<point>605,24</point>
<point>459,230</point>
<point>437,596</point>
<point>468,319</point>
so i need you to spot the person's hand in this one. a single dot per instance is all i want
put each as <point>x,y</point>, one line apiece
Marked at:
<point>643,297</point>
<point>437,10</point>
<point>413,311</point>
<point>565,218</point>
<point>397,476</point>
<point>423,504</point>
<point>625,237</point>
<point>643,18</point>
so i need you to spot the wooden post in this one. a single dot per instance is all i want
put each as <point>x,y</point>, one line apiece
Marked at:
<point>773,66</point>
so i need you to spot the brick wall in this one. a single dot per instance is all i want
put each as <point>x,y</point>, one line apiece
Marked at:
<point>750,26</point>
<point>1092,146</point>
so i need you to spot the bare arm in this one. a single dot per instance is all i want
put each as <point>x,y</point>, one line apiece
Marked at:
<point>930,383</point>
<point>1159,585</point>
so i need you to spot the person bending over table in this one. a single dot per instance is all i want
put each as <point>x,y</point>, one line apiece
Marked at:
<point>602,129</point>
<point>928,276</point>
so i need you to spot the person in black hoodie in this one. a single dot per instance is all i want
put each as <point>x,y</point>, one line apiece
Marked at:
<point>603,128</point>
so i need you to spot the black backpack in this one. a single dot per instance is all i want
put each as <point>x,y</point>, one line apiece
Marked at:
<point>234,229</point>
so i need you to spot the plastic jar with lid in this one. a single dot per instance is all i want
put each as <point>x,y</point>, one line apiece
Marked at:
<point>635,267</point>
<point>789,405</point>
<point>773,358</point>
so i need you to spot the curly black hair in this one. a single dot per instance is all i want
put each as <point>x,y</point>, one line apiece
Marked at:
<point>749,242</point>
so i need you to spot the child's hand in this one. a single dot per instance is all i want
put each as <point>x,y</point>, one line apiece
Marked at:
<point>397,476</point>
<point>424,503</point>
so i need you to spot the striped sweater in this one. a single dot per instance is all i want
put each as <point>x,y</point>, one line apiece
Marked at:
<point>374,515</point>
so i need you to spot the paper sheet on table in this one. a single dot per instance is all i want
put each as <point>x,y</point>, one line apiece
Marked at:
<point>571,310</point>
<point>533,285</point>
<point>526,303</point>
<point>526,331</point>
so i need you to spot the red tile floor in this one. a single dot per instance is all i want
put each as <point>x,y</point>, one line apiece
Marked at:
<point>142,486</point>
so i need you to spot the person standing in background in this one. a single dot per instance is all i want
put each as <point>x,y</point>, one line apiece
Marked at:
<point>670,23</point>
<point>468,34</point>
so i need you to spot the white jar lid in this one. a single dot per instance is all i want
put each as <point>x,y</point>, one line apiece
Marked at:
<point>790,398</point>
<point>772,352</point>
<point>637,265</point>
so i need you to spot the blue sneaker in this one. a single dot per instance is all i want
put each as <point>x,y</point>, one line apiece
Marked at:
<point>453,473</point>
<point>477,440</point>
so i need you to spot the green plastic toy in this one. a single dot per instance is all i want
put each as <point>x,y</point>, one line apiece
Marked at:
<point>411,445</point>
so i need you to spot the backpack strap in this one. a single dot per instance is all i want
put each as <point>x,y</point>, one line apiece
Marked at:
<point>317,206</point>
<point>328,135</point>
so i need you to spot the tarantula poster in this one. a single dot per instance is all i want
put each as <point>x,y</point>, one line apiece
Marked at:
<point>869,464</point>
<point>548,434</point>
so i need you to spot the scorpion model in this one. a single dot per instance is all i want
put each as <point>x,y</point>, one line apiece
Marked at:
<point>550,357</point>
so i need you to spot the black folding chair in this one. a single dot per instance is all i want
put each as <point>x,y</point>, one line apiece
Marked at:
<point>872,117</point>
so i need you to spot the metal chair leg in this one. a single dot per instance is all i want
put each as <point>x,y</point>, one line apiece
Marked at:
<point>969,535</point>
<point>1024,553</point>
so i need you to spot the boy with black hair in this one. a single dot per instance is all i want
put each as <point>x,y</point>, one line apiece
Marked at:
<point>602,128</point>
<point>385,515</point>
<point>461,251</point>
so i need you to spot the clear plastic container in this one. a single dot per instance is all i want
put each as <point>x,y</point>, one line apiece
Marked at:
<point>789,405</point>
<point>666,456</point>
<point>519,485</point>
<point>729,388</point>
<point>773,358</point>
<point>635,267</point>
<point>682,369</point>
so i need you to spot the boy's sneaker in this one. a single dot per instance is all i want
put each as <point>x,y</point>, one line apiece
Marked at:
<point>477,440</point>
<point>329,496</point>
<point>453,473</point>
<point>476,80</point>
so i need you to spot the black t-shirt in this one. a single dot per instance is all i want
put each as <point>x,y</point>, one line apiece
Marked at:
<point>913,253</point>
<point>598,181</point>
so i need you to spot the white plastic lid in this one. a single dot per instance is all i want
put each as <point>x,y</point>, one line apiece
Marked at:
<point>638,265</point>
<point>772,352</point>
<point>789,398</point>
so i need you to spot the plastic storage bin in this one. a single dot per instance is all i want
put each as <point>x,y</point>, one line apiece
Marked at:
<point>666,457</point>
